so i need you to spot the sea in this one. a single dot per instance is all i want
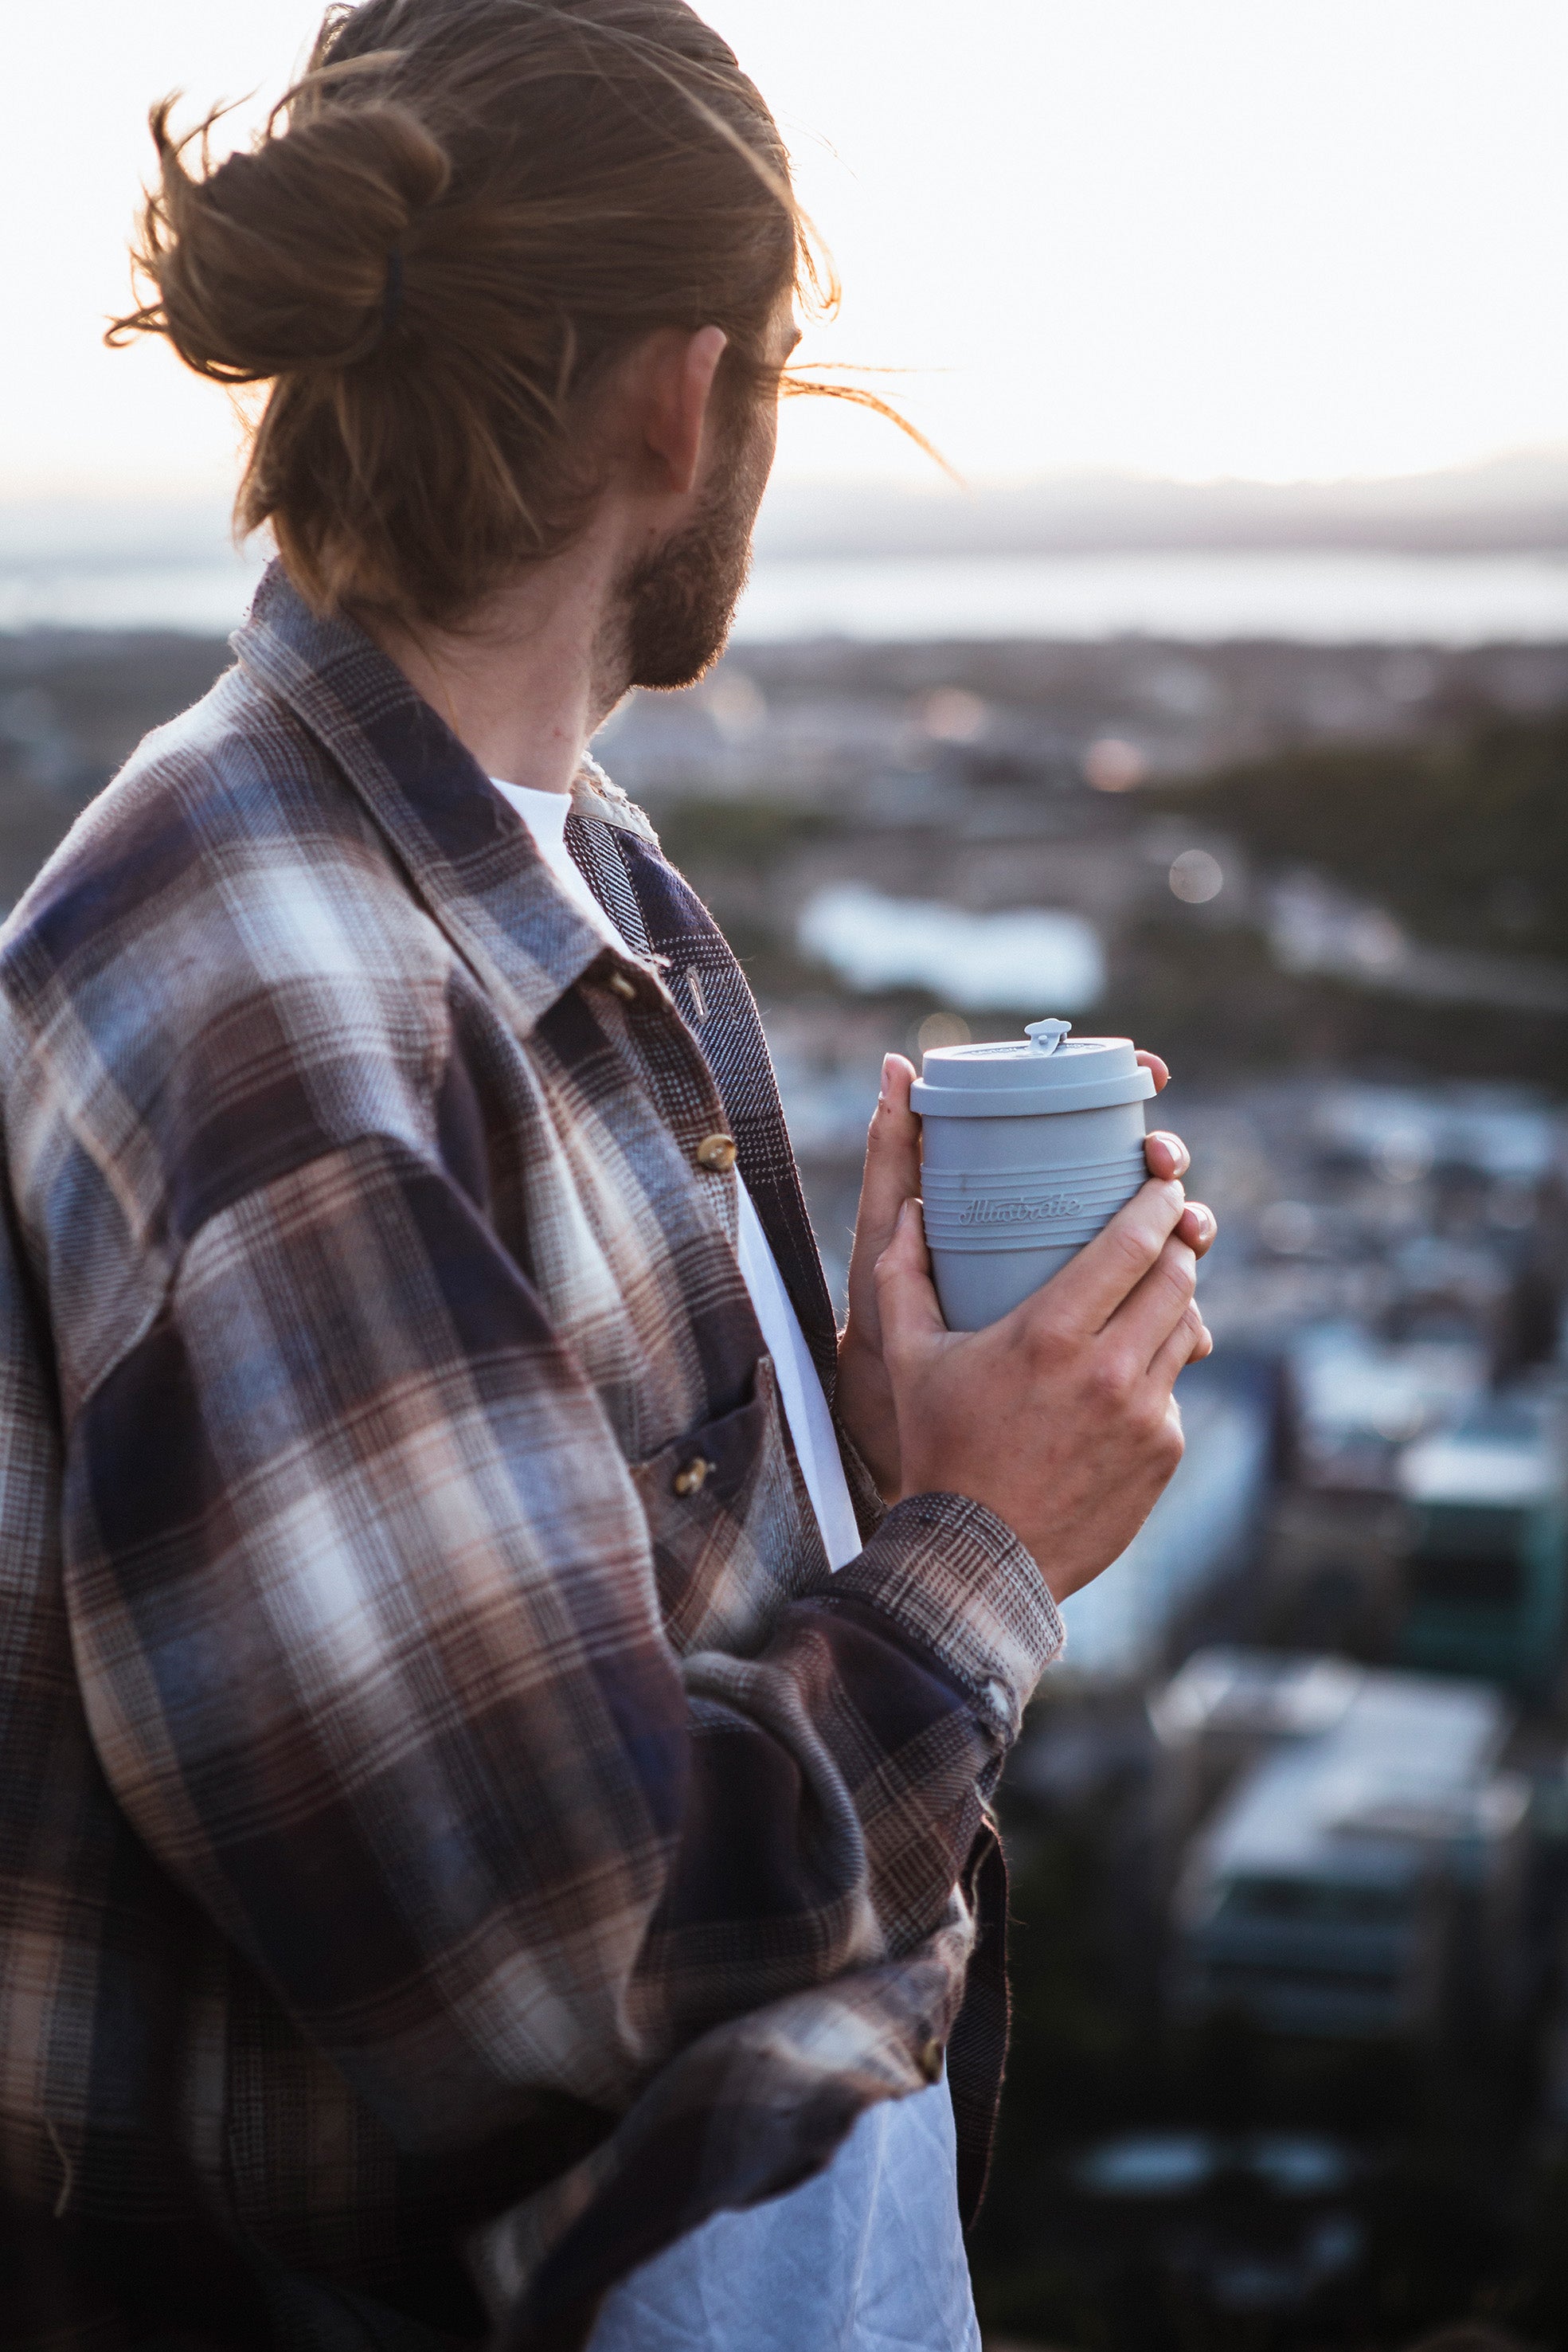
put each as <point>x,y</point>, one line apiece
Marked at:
<point>1330,596</point>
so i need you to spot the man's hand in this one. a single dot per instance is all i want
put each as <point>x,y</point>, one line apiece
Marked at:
<point>1060,1417</point>
<point>865,1396</point>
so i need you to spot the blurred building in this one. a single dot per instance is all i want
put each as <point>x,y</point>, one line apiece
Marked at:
<point>1488,1561</point>
<point>1254,2224</point>
<point>1227,1710</point>
<point>1496,1134</point>
<point>1366,1875</point>
<point>1359,1400</point>
<point>1200,1534</point>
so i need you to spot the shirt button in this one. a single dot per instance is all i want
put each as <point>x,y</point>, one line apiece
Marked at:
<point>996,1697</point>
<point>623,988</point>
<point>928,2058</point>
<point>716,1154</point>
<point>693,1476</point>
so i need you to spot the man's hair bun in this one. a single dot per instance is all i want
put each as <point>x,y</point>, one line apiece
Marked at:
<point>277,259</point>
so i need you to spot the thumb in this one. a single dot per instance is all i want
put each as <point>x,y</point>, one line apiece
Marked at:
<point>891,1154</point>
<point>905,1296</point>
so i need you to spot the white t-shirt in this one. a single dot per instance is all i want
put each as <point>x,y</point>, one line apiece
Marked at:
<point>799,1390</point>
<point>868,2256</point>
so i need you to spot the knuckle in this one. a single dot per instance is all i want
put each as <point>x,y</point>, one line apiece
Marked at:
<point>1111,1379</point>
<point>1151,1423</point>
<point>1156,1426</point>
<point>1132,1246</point>
<point>1134,1237</point>
<point>1179,1268</point>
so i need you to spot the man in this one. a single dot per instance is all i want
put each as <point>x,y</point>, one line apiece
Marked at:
<point>499,1697</point>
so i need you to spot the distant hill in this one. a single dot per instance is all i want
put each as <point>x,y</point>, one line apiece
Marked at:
<point>1466,840</point>
<point>1517,503</point>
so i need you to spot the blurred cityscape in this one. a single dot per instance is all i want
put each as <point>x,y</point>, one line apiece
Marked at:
<point>1289,1824</point>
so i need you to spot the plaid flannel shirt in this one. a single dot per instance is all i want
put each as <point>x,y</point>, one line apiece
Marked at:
<point>445,1853</point>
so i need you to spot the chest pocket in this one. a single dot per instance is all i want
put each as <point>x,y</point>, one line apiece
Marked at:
<point>733,1530</point>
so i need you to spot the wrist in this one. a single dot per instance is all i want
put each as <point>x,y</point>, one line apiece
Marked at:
<point>863,1401</point>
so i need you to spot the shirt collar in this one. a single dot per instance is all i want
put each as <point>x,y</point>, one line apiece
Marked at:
<point>473,866</point>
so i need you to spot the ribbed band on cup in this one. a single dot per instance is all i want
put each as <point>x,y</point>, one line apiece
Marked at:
<point>1022,1208</point>
<point>1121,1164</point>
<point>1011,1185</point>
<point>972,1241</point>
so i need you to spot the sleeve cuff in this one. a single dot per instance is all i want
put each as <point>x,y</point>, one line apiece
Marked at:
<point>957,1580</point>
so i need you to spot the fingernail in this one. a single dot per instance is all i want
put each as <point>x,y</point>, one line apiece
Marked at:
<point>1204,1222</point>
<point>902,1215</point>
<point>886,1067</point>
<point>1175,1146</point>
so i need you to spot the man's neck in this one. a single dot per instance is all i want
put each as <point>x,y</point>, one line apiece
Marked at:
<point>537,670</point>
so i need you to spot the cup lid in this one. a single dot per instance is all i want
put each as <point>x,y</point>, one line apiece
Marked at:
<point>1045,1070</point>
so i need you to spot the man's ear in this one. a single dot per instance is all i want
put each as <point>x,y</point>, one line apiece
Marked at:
<point>679,390</point>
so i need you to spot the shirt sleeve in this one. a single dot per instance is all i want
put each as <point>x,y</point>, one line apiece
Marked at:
<point>367,1623</point>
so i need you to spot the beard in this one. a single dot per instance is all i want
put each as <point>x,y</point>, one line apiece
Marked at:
<point>677,604</point>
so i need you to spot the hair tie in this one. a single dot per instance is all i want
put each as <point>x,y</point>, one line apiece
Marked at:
<point>391,299</point>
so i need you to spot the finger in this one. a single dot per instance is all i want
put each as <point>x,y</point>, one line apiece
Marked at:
<point>892,1157</point>
<point>1197,1227</point>
<point>1165,1154</point>
<point>1145,1320</point>
<point>906,1296</point>
<point>1091,1286</point>
<point>1156,1070</point>
<point>1188,1344</point>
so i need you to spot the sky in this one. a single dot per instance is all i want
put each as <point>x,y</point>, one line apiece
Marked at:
<point>1270,238</point>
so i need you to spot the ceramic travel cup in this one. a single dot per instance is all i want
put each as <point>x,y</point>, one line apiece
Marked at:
<point>1028,1148</point>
